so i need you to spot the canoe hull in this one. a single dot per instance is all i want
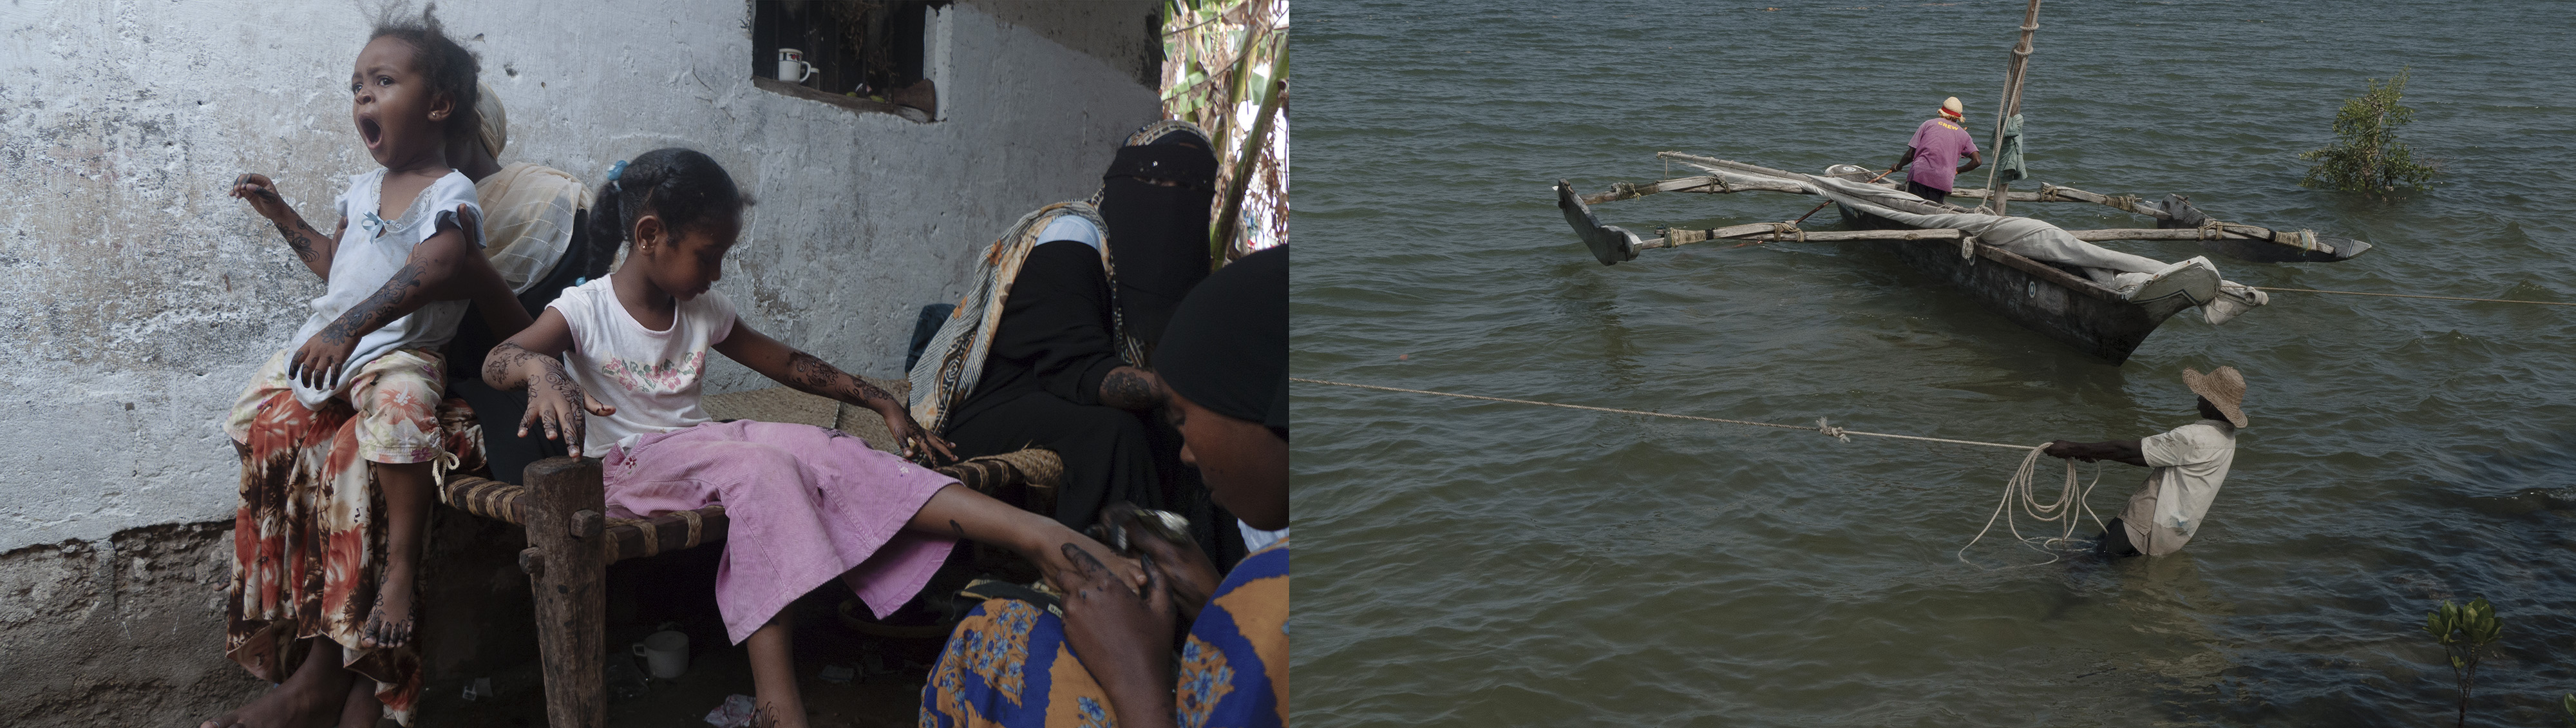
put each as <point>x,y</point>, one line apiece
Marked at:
<point>2053,302</point>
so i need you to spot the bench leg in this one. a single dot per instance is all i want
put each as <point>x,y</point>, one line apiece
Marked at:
<point>568,570</point>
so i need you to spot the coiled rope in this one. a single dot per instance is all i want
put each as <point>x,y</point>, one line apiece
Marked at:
<point>2024,486</point>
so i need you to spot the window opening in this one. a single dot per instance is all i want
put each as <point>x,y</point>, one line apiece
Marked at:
<point>868,50</point>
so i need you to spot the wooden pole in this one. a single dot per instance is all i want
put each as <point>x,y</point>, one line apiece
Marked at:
<point>1770,233</point>
<point>1222,232</point>
<point>2011,103</point>
<point>565,500</point>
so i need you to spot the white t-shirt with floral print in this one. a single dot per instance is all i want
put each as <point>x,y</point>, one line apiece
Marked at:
<point>650,376</point>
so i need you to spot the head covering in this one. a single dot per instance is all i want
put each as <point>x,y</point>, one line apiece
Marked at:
<point>1158,235</point>
<point>1169,131</point>
<point>495,130</point>
<point>2223,387</point>
<point>1227,347</point>
<point>1950,107</point>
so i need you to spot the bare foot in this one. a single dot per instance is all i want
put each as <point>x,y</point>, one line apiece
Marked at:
<point>769,716</point>
<point>389,624</point>
<point>308,698</point>
<point>360,709</point>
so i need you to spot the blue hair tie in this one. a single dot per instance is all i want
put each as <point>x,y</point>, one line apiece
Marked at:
<point>616,170</point>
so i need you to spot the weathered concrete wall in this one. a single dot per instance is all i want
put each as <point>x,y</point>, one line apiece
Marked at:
<point>126,630</point>
<point>129,630</point>
<point>1125,34</point>
<point>137,298</point>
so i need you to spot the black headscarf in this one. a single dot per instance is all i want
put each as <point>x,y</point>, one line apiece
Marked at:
<point>1227,347</point>
<point>1158,236</point>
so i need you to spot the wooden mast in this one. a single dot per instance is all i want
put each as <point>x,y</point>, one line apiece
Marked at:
<point>2011,104</point>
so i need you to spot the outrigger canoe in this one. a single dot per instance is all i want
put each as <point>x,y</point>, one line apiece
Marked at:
<point>2055,300</point>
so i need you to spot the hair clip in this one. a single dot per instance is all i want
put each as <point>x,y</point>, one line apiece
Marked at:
<point>616,170</point>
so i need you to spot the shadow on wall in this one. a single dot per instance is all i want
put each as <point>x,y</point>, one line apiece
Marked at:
<point>124,631</point>
<point>130,630</point>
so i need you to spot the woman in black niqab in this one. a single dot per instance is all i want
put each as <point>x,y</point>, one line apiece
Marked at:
<point>1057,374</point>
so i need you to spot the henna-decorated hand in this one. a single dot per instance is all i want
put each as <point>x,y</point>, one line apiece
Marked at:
<point>550,403</point>
<point>317,363</point>
<point>261,193</point>
<point>917,442</point>
<point>1186,570</point>
<point>1124,640</point>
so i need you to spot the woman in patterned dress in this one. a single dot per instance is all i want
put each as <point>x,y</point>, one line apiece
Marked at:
<point>1106,651</point>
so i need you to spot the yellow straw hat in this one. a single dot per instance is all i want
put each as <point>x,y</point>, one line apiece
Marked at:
<point>2223,387</point>
<point>1952,107</point>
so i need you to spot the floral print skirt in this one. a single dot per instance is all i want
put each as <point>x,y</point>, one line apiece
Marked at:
<point>308,543</point>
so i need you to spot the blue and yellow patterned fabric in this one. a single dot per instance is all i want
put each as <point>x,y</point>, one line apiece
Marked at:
<point>1008,664</point>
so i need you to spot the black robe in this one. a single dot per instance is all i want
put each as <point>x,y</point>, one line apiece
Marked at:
<point>1041,387</point>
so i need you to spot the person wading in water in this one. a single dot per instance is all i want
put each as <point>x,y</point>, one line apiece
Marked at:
<point>1938,144</point>
<point>2190,462</point>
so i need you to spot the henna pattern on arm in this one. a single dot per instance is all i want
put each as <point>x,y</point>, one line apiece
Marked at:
<point>1131,389</point>
<point>811,374</point>
<point>505,358</point>
<point>381,308</point>
<point>296,238</point>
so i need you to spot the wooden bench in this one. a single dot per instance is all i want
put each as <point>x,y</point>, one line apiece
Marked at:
<point>571,540</point>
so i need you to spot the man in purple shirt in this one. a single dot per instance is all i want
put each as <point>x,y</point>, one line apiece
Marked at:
<point>1938,144</point>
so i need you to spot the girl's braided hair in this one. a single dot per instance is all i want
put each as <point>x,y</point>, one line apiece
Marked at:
<point>683,186</point>
<point>450,68</point>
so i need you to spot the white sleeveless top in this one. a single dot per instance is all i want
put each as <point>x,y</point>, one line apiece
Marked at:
<point>368,255</point>
<point>651,377</point>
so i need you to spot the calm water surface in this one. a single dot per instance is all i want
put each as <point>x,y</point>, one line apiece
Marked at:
<point>1480,564</point>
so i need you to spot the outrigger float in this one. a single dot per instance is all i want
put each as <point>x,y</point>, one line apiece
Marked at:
<point>2050,280</point>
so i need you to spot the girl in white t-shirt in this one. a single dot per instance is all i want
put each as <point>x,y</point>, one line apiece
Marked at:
<point>806,504</point>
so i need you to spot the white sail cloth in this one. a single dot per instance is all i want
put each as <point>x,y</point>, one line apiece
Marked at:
<point>2131,275</point>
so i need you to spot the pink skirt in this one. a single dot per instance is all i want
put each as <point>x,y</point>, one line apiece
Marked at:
<point>804,504</point>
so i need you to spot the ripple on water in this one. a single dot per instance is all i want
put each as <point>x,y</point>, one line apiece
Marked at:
<point>1486,563</point>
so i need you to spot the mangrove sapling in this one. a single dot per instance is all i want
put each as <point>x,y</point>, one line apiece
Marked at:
<point>2366,156</point>
<point>2465,632</point>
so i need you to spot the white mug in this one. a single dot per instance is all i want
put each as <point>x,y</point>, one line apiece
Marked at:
<point>666,653</point>
<point>792,67</point>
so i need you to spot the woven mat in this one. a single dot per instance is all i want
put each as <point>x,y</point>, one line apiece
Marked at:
<point>785,404</point>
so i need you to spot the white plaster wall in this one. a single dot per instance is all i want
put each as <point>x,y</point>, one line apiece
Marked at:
<point>136,299</point>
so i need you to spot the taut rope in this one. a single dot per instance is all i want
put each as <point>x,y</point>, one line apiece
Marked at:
<point>1821,425</point>
<point>2409,295</point>
<point>2021,485</point>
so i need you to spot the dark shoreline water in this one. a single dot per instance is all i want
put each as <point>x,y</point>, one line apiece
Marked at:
<point>1486,563</point>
